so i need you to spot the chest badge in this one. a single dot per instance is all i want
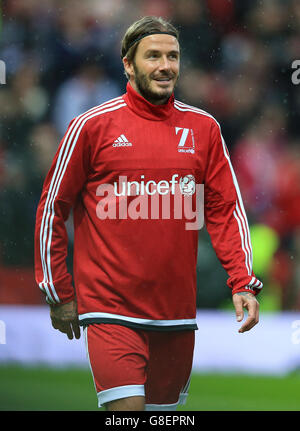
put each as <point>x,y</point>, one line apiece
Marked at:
<point>186,140</point>
<point>122,141</point>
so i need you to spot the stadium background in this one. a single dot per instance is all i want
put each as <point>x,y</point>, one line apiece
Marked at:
<point>62,57</point>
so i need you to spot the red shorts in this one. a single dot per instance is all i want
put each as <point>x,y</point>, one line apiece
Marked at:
<point>132,362</point>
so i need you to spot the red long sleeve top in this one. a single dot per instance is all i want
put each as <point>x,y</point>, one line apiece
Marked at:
<point>123,167</point>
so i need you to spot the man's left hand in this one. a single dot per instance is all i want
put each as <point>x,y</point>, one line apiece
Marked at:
<point>248,301</point>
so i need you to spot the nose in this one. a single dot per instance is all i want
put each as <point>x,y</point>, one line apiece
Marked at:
<point>164,63</point>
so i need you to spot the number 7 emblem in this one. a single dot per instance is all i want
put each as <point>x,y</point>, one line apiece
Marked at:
<point>184,135</point>
<point>184,146</point>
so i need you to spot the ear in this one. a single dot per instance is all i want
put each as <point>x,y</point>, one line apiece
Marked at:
<point>128,66</point>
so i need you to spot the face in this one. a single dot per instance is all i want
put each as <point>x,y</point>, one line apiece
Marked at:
<point>155,68</point>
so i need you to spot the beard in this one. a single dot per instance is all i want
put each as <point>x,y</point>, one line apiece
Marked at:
<point>143,84</point>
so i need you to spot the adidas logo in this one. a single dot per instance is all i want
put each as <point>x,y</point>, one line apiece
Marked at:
<point>122,141</point>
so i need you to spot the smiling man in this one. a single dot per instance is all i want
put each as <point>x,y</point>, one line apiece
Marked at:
<point>153,70</point>
<point>134,288</point>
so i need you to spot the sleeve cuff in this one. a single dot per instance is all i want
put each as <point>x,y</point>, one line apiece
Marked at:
<point>252,285</point>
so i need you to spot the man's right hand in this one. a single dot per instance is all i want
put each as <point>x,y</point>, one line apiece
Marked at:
<point>64,317</point>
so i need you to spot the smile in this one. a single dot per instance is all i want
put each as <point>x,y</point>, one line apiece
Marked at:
<point>163,82</point>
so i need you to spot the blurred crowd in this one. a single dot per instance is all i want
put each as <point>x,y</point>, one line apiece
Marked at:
<point>63,57</point>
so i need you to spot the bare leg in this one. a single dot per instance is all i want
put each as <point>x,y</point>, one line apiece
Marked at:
<point>136,403</point>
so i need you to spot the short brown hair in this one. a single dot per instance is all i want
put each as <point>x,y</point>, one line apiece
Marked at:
<point>148,24</point>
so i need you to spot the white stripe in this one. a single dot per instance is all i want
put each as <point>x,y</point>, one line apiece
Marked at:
<point>252,281</point>
<point>187,385</point>
<point>47,210</point>
<point>45,214</point>
<point>124,138</point>
<point>184,107</point>
<point>88,354</point>
<point>194,109</point>
<point>183,398</point>
<point>46,290</point>
<point>248,254</point>
<point>249,259</point>
<point>79,127</point>
<point>161,407</point>
<point>257,284</point>
<point>137,320</point>
<point>56,180</point>
<point>120,392</point>
<point>242,209</point>
<point>242,240</point>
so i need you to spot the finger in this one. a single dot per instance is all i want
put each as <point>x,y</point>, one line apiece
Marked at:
<point>250,322</point>
<point>252,319</point>
<point>71,328</point>
<point>256,311</point>
<point>65,328</point>
<point>69,331</point>
<point>54,324</point>
<point>76,329</point>
<point>238,305</point>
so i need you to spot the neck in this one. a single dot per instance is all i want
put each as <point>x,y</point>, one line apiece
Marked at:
<point>144,108</point>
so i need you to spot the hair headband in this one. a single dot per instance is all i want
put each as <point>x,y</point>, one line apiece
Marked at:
<point>149,33</point>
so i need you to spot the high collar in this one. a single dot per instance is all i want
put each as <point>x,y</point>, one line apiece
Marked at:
<point>145,109</point>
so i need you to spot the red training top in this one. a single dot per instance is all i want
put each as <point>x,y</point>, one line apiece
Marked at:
<point>132,174</point>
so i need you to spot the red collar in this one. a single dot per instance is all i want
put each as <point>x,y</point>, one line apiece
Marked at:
<point>145,109</point>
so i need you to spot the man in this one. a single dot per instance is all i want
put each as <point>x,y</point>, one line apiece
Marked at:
<point>134,269</point>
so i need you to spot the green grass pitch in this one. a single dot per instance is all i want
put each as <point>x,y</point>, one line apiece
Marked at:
<point>39,388</point>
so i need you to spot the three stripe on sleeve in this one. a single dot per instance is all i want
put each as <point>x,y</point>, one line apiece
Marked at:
<point>239,212</point>
<point>65,153</point>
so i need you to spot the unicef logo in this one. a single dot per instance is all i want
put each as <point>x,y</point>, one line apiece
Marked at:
<point>187,185</point>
